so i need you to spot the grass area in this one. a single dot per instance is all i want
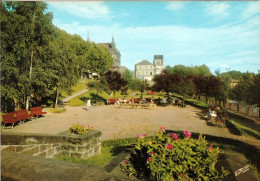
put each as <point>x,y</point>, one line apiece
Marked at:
<point>79,86</point>
<point>98,160</point>
<point>57,110</point>
<point>247,131</point>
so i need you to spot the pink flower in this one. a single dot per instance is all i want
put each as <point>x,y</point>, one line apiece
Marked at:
<point>173,135</point>
<point>145,134</point>
<point>150,159</point>
<point>187,133</point>
<point>125,162</point>
<point>169,146</point>
<point>138,136</point>
<point>152,153</point>
<point>162,128</point>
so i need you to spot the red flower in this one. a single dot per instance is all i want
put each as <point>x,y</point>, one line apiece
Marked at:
<point>210,147</point>
<point>173,135</point>
<point>125,162</point>
<point>162,128</point>
<point>152,153</point>
<point>145,134</point>
<point>187,133</point>
<point>169,146</point>
<point>138,136</point>
<point>150,159</point>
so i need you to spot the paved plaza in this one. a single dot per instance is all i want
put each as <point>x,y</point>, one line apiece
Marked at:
<point>116,122</point>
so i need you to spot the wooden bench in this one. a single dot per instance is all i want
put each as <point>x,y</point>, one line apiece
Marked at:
<point>22,115</point>
<point>37,111</point>
<point>112,101</point>
<point>9,118</point>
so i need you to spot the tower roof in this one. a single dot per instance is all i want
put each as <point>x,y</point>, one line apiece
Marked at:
<point>144,62</point>
<point>158,56</point>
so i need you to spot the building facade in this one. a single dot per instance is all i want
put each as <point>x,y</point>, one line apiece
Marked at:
<point>145,70</point>
<point>115,53</point>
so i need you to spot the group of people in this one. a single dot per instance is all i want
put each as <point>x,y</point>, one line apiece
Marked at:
<point>214,113</point>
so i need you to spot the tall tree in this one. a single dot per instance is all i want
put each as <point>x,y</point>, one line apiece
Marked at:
<point>25,29</point>
<point>207,86</point>
<point>165,82</point>
<point>98,59</point>
<point>115,81</point>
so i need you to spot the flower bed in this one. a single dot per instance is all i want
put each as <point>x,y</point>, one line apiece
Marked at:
<point>80,129</point>
<point>166,157</point>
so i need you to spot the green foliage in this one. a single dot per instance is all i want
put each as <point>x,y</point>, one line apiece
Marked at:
<point>119,142</point>
<point>182,70</point>
<point>80,129</point>
<point>100,160</point>
<point>98,85</point>
<point>98,59</point>
<point>166,157</point>
<point>57,110</point>
<point>40,61</point>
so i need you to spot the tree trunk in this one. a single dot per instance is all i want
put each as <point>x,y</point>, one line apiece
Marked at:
<point>183,101</point>
<point>56,100</point>
<point>114,94</point>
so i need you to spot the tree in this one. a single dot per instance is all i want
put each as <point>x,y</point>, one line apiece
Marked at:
<point>98,59</point>
<point>207,86</point>
<point>165,82</point>
<point>185,87</point>
<point>98,85</point>
<point>25,29</point>
<point>253,96</point>
<point>115,81</point>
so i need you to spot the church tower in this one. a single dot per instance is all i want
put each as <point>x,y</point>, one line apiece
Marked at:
<point>113,44</point>
<point>158,63</point>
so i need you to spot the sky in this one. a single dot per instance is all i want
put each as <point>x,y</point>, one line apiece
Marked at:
<point>224,35</point>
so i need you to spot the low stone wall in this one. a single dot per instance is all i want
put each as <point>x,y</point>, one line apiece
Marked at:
<point>48,146</point>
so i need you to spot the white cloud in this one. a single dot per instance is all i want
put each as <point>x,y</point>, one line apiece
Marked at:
<point>88,9</point>
<point>218,9</point>
<point>225,46</point>
<point>175,6</point>
<point>251,9</point>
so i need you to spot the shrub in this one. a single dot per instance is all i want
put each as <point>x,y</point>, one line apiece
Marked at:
<point>166,157</point>
<point>80,129</point>
<point>57,110</point>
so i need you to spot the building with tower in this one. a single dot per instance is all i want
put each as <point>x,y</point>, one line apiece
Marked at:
<point>115,53</point>
<point>145,70</point>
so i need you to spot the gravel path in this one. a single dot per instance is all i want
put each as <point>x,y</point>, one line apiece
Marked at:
<point>74,95</point>
<point>116,122</point>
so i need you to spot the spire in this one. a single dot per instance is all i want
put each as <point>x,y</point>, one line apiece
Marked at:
<point>88,38</point>
<point>113,41</point>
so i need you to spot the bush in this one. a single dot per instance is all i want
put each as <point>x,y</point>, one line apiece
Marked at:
<point>80,129</point>
<point>165,157</point>
<point>233,128</point>
<point>57,110</point>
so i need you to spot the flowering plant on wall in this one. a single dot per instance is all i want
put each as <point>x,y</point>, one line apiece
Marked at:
<point>80,129</point>
<point>167,157</point>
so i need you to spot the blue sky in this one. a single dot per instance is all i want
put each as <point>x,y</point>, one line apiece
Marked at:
<point>224,35</point>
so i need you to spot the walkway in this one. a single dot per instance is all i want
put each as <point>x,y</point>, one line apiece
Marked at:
<point>74,95</point>
<point>116,122</point>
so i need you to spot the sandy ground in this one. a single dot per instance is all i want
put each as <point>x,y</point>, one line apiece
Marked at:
<point>116,122</point>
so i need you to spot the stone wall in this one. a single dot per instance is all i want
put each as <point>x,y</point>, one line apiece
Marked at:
<point>48,146</point>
